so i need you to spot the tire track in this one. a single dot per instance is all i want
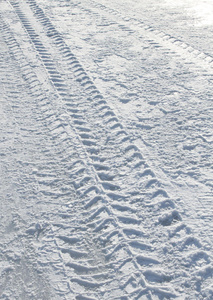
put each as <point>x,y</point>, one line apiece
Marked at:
<point>115,210</point>
<point>54,195</point>
<point>201,64</point>
<point>156,38</point>
<point>24,259</point>
<point>188,144</point>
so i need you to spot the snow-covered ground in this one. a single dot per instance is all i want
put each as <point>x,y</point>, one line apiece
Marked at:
<point>106,149</point>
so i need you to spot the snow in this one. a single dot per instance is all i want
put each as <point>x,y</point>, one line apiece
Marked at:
<point>106,149</point>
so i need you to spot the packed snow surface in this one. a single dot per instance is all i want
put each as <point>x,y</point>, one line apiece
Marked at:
<point>106,149</point>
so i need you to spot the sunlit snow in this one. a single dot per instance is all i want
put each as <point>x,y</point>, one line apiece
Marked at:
<point>106,154</point>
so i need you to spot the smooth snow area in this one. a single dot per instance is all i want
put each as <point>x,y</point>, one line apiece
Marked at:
<point>200,11</point>
<point>106,149</point>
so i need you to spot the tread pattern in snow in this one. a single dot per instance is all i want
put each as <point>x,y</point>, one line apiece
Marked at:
<point>123,212</point>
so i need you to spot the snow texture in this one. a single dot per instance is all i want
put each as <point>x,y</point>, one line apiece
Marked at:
<point>106,149</point>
